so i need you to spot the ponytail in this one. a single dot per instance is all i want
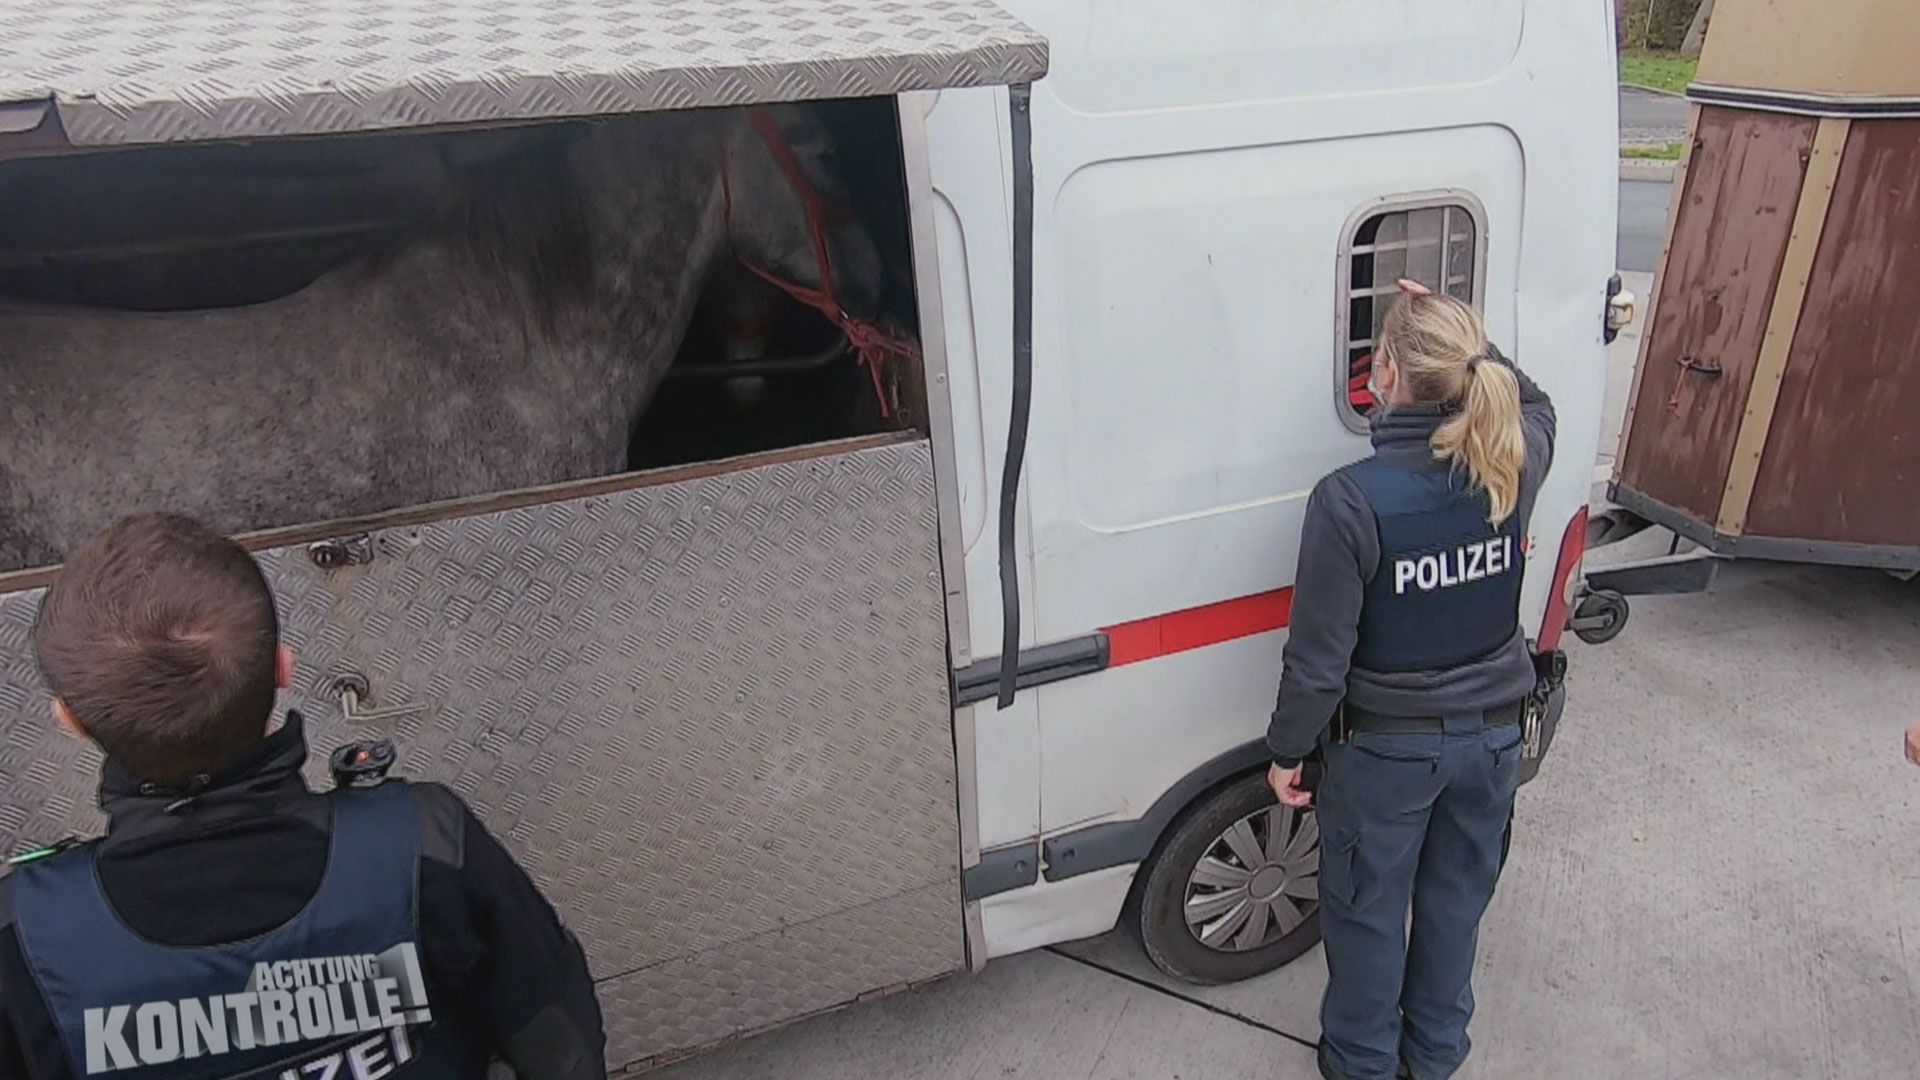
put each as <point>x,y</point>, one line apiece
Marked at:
<point>1440,347</point>
<point>1485,436</point>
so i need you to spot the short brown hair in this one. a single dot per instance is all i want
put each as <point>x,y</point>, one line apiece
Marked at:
<point>160,636</point>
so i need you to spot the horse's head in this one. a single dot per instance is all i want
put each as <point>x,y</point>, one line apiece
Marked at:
<point>782,189</point>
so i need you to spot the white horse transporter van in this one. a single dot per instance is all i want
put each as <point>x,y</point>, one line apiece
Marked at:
<point>916,630</point>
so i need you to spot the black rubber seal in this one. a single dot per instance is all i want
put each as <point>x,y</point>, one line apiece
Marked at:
<point>1804,104</point>
<point>1021,108</point>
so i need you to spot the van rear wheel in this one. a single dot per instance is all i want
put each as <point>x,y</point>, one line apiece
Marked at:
<point>1233,891</point>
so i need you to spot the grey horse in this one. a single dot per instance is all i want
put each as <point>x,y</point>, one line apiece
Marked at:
<point>509,340</point>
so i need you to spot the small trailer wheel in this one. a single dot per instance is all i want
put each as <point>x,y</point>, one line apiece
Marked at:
<point>1600,617</point>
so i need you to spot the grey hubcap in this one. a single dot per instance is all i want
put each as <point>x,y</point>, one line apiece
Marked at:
<point>1257,881</point>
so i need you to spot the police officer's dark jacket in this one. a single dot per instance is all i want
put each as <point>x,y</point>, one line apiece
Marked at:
<point>260,929</point>
<point>1405,598</point>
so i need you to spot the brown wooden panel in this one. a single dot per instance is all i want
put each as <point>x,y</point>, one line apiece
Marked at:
<point>1842,461</point>
<point>1809,218</point>
<point>1729,237</point>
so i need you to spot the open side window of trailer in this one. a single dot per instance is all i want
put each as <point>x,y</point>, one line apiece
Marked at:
<point>567,368</point>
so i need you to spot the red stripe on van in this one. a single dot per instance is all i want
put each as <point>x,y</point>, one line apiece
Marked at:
<point>1197,628</point>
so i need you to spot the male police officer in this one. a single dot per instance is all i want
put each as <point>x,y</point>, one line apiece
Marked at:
<point>233,923</point>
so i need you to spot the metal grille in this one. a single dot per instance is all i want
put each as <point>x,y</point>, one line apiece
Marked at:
<point>150,71</point>
<point>711,718</point>
<point>1437,246</point>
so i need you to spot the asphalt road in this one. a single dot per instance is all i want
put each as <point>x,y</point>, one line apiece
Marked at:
<point>1643,224</point>
<point>1648,118</point>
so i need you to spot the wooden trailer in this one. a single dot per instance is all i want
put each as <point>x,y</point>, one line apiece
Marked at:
<point>1775,411</point>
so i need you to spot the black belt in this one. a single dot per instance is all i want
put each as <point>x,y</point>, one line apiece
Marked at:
<point>1364,720</point>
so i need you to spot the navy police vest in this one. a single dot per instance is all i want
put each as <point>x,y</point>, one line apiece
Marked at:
<point>1447,591</point>
<point>336,991</point>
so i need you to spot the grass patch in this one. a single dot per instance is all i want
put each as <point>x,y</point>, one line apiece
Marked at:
<point>1657,71</point>
<point>1668,152</point>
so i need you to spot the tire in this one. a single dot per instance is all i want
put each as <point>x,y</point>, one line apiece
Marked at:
<point>1172,886</point>
<point>1605,612</point>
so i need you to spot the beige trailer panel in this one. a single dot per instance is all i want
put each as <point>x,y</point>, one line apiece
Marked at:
<point>1850,47</point>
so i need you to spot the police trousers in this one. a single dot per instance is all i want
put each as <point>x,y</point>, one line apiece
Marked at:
<point>1408,821</point>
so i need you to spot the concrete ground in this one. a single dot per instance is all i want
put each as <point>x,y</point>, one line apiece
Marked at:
<point>1716,875</point>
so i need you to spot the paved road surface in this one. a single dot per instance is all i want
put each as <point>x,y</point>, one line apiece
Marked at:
<point>1646,118</point>
<point>1650,118</point>
<point>1643,224</point>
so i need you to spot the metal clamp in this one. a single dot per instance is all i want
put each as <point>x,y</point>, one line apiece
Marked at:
<point>1530,728</point>
<point>354,691</point>
<point>1550,673</point>
<point>1619,311</point>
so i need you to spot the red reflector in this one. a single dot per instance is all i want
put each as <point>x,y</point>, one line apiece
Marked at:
<point>1197,628</point>
<point>1573,549</point>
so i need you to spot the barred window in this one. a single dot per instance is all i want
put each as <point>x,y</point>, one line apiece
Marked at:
<point>1436,245</point>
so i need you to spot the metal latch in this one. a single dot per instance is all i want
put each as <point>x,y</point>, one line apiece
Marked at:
<point>1620,309</point>
<point>343,551</point>
<point>1550,673</point>
<point>355,691</point>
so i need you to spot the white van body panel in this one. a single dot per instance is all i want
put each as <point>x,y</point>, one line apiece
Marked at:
<point>1197,174</point>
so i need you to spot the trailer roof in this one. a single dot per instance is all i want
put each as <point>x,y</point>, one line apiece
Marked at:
<point>127,72</point>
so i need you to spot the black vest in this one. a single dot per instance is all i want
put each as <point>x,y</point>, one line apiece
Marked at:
<point>1447,591</point>
<point>336,991</point>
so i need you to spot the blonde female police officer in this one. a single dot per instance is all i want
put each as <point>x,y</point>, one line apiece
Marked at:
<point>1406,662</point>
